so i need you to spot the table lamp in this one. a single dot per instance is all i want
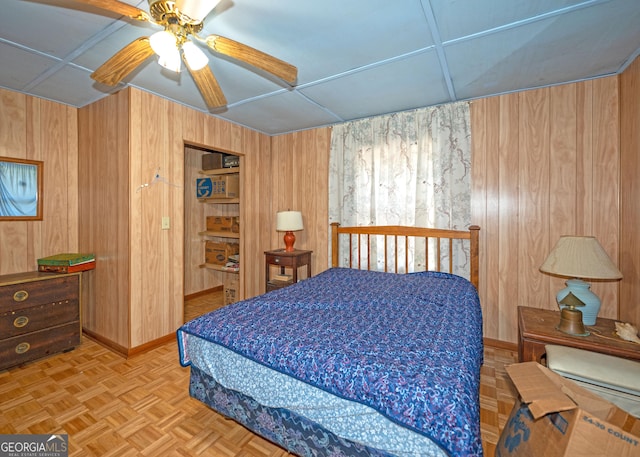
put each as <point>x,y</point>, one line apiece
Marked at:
<point>289,222</point>
<point>580,257</point>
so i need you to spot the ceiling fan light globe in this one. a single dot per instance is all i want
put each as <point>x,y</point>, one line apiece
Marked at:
<point>171,61</point>
<point>196,9</point>
<point>196,59</point>
<point>163,42</point>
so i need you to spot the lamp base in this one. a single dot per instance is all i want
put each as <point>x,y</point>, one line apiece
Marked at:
<point>581,290</point>
<point>289,239</point>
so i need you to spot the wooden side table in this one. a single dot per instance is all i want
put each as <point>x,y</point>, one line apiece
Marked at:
<point>286,261</point>
<point>537,327</point>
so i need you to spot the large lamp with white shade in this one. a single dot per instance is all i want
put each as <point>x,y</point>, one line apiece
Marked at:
<point>580,258</point>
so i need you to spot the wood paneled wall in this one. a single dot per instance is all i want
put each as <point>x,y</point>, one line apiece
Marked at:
<point>546,163</point>
<point>104,228</point>
<point>299,181</point>
<point>139,283</point>
<point>35,129</point>
<point>630,193</point>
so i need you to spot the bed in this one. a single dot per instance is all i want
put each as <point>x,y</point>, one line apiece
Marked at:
<point>371,357</point>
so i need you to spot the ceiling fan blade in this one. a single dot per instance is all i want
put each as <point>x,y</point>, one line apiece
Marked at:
<point>118,7</point>
<point>208,86</point>
<point>252,56</point>
<point>123,62</point>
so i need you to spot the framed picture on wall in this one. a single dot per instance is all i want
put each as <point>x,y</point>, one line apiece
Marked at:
<point>20,189</point>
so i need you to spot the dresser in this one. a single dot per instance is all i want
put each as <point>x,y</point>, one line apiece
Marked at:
<point>39,315</point>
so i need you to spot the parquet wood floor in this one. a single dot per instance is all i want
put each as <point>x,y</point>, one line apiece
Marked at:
<point>111,406</point>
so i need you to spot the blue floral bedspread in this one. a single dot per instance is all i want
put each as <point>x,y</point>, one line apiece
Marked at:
<point>409,346</point>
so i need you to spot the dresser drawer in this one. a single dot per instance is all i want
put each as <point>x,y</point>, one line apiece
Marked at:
<point>23,348</point>
<point>14,297</point>
<point>13,323</point>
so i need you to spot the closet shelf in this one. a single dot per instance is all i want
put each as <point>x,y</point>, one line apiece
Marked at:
<point>220,234</point>
<point>212,266</point>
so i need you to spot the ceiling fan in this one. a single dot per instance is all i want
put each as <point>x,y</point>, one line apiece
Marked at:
<point>182,20</point>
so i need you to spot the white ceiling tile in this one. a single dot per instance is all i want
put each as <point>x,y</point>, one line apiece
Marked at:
<point>355,58</point>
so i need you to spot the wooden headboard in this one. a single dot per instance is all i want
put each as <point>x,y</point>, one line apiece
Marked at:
<point>359,239</point>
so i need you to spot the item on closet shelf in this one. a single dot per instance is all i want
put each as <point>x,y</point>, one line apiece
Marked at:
<point>230,161</point>
<point>223,186</point>
<point>212,160</point>
<point>627,331</point>
<point>223,224</point>
<point>218,253</point>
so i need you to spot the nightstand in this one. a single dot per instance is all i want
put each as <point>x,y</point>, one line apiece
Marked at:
<point>537,327</point>
<point>281,267</point>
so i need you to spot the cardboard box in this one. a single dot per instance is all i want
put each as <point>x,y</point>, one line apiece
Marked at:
<point>212,160</point>
<point>223,224</point>
<point>221,186</point>
<point>217,253</point>
<point>231,291</point>
<point>555,417</point>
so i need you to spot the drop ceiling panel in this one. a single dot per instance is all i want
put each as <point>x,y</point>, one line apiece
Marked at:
<point>285,112</point>
<point>328,37</point>
<point>18,63</point>
<point>47,28</point>
<point>545,52</point>
<point>71,86</point>
<point>407,83</point>
<point>463,18</point>
<point>355,58</point>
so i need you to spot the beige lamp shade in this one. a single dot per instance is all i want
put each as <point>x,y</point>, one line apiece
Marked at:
<point>580,257</point>
<point>289,221</point>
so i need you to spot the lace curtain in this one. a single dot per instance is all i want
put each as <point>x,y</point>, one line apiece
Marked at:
<point>18,189</point>
<point>410,168</point>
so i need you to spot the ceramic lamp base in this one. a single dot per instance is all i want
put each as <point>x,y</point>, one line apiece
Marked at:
<point>591,301</point>
<point>289,239</point>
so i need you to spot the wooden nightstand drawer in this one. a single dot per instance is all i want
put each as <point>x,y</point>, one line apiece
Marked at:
<point>23,348</point>
<point>27,294</point>
<point>25,320</point>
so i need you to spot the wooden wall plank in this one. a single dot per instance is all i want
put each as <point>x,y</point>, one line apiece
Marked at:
<point>36,129</point>
<point>606,184</point>
<point>630,193</point>
<point>550,181</point>
<point>480,204</point>
<point>299,179</point>
<point>507,163</point>
<point>103,178</point>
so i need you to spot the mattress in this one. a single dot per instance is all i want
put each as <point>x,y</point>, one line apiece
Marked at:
<point>390,361</point>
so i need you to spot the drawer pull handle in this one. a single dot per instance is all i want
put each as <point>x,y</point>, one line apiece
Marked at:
<point>22,348</point>
<point>20,295</point>
<point>20,321</point>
